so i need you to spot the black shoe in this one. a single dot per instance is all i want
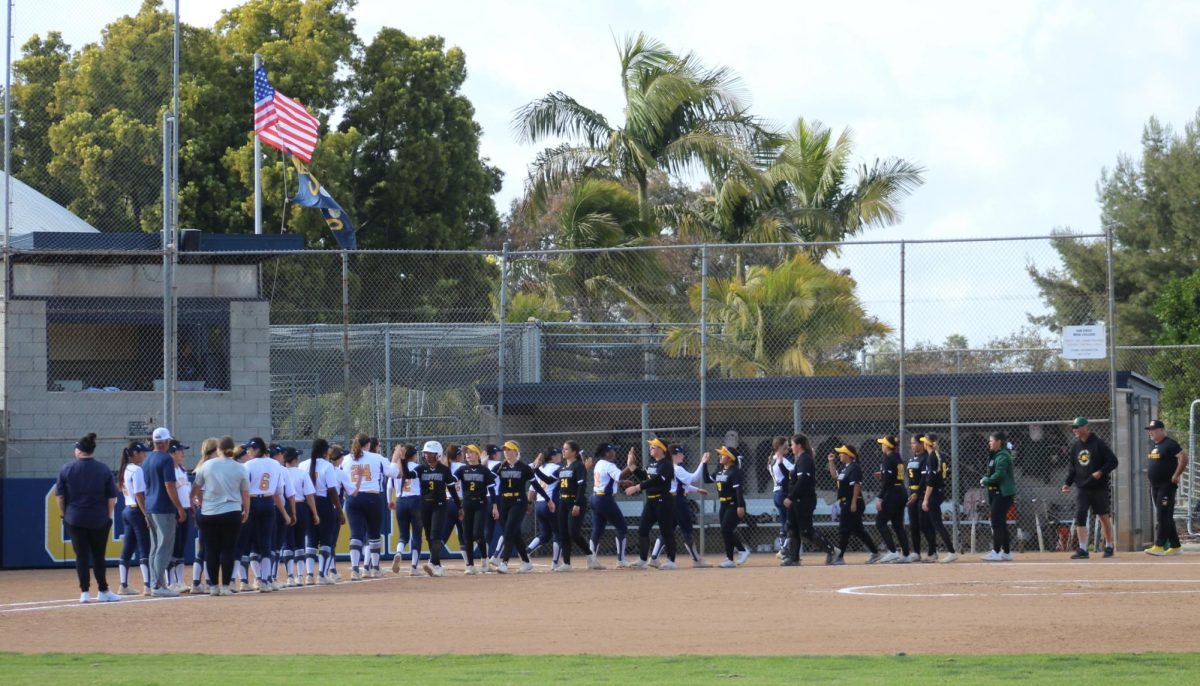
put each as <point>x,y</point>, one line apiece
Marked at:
<point>789,563</point>
<point>1108,551</point>
<point>1080,554</point>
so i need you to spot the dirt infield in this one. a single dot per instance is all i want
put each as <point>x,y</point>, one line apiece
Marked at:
<point>1041,604</point>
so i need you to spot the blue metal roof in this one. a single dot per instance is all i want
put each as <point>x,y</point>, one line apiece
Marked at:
<point>813,387</point>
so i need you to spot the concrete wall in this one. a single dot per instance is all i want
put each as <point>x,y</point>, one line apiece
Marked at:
<point>44,425</point>
<point>134,280</point>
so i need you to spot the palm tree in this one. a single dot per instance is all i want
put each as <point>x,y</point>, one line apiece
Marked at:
<point>678,114</point>
<point>798,318</point>
<point>804,195</point>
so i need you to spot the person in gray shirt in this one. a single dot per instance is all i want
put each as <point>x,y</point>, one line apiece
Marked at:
<point>222,491</point>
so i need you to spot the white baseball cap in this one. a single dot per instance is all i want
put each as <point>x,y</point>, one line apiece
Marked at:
<point>161,434</point>
<point>432,447</point>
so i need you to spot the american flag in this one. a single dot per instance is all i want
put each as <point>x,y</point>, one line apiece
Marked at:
<point>281,122</point>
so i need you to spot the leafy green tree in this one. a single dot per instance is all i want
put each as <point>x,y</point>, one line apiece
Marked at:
<point>797,318</point>
<point>679,116</point>
<point>1178,310</point>
<point>35,111</point>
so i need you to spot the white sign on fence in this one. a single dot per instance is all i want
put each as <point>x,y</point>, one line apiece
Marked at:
<point>1084,342</point>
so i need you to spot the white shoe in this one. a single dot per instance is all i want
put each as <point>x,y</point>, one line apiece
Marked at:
<point>655,564</point>
<point>525,568</point>
<point>396,562</point>
<point>727,564</point>
<point>593,563</point>
<point>108,597</point>
<point>913,557</point>
<point>225,590</point>
<point>85,598</point>
<point>182,588</point>
<point>337,578</point>
<point>502,568</point>
<point>930,559</point>
<point>667,566</point>
<point>700,564</point>
<point>470,570</point>
<point>1006,557</point>
<point>563,568</point>
<point>992,556</point>
<point>125,590</point>
<point>325,581</point>
<point>781,554</point>
<point>743,556</point>
<point>214,591</point>
<point>164,593</point>
<point>291,582</point>
<point>641,564</point>
<point>622,564</point>
<point>310,580</point>
<point>949,558</point>
<point>889,558</point>
<point>875,557</point>
<point>265,587</point>
<point>356,575</point>
<point>428,568</point>
<point>415,572</point>
<point>438,570</point>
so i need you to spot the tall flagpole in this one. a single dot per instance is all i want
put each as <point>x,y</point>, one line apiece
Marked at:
<point>258,60</point>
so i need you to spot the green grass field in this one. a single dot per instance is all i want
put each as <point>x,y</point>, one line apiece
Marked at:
<point>99,669</point>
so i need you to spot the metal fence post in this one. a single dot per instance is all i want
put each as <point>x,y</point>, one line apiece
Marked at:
<point>1191,503</point>
<point>167,319</point>
<point>900,370</point>
<point>387,383</point>
<point>797,417</point>
<point>703,372</point>
<point>956,494</point>
<point>500,352</point>
<point>1112,372</point>
<point>346,345</point>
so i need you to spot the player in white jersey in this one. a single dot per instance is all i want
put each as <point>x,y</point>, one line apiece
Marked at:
<point>320,538</point>
<point>606,482</point>
<point>283,527</point>
<point>781,476</point>
<point>135,544</point>
<point>267,488</point>
<point>405,496</point>
<point>365,508</point>
<point>546,468</point>
<point>304,511</point>
<point>185,530</point>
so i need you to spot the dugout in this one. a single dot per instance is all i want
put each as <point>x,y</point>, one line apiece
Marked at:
<point>1033,407</point>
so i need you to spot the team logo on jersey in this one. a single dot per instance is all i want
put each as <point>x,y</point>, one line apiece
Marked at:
<point>1084,457</point>
<point>1154,454</point>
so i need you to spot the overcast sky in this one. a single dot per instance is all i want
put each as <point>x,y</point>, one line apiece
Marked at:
<point>1012,107</point>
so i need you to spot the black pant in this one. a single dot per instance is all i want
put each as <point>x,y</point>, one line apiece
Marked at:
<point>729,524</point>
<point>512,515</point>
<point>917,523</point>
<point>851,524</point>
<point>570,529</point>
<point>1000,505</point>
<point>221,534</point>
<point>892,513</point>
<point>1166,534</point>
<point>90,545</point>
<point>433,518</point>
<point>475,515</point>
<point>800,525</point>
<point>662,511</point>
<point>934,526</point>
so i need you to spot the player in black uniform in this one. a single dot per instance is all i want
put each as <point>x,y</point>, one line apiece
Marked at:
<point>915,471</point>
<point>1091,463</point>
<point>436,482</point>
<point>730,494</point>
<point>572,498</point>
<point>800,502</point>
<point>850,502</point>
<point>1167,462</point>
<point>515,476</point>
<point>476,481</point>
<point>889,506</point>
<point>937,471</point>
<point>660,473</point>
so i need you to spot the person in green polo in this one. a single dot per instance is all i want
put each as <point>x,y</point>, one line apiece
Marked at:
<point>1001,489</point>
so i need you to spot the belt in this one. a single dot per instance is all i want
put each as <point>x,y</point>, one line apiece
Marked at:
<point>656,496</point>
<point>726,500</point>
<point>271,495</point>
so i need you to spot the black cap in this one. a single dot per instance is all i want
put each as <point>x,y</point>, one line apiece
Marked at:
<point>491,449</point>
<point>254,444</point>
<point>1156,424</point>
<point>275,449</point>
<point>678,450</point>
<point>139,448</point>
<point>176,445</point>
<point>554,451</point>
<point>292,453</point>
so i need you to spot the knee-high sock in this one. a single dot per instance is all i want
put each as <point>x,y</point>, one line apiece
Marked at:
<point>691,551</point>
<point>355,553</point>
<point>326,553</point>
<point>256,567</point>
<point>621,541</point>
<point>557,551</point>
<point>123,569</point>
<point>658,546</point>
<point>145,569</point>
<point>376,546</point>
<point>310,560</point>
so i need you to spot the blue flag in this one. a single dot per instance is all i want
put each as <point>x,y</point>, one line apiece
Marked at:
<point>313,194</point>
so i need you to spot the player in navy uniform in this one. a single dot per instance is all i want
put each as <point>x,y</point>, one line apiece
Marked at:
<point>658,508</point>
<point>437,482</point>
<point>937,473</point>
<point>572,500</point>
<point>606,479</point>
<point>515,476</point>
<point>849,479</point>
<point>732,500</point>
<point>889,505</point>
<point>800,502</point>
<point>546,466</point>
<point>478,503</point>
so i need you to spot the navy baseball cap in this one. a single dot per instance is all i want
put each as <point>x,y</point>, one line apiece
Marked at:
<point>176,445</point>
<point>678,450</point>
<point>253,444</point>
<point>291,453</point>
<point>139,448</point>
<point>554,451</point>
<point>275,449</point>
<point>492,449</point>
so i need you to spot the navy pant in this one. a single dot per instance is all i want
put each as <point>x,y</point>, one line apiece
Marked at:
<point>512,514</point>
<point>661,511</point>
<point>135,543</point>
<point>262,530</point>
<point>408,524</point>
<point>325,533</point>
<point>778,498</point>
<point>184,533</point>
<point>569,529</point>
<point>934,526</point>
<point>363,516</point>
<point>547,528</point>
<point>604,512</point>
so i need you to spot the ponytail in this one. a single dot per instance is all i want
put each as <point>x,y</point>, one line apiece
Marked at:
<point>320,447</point>
<point>124,463</point>
<point>228,446</point>
<point>360,441</point>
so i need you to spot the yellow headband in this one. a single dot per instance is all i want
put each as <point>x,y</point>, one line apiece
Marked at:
<point>512,445</point>
<point>846,450</point>
<point>885,442</point>
<point>654,442</point>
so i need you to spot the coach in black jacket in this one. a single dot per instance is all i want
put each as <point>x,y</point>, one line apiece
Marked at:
<point>1092,461</point>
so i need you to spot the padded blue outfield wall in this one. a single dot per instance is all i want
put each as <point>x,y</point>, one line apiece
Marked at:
<point>33,535</point>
